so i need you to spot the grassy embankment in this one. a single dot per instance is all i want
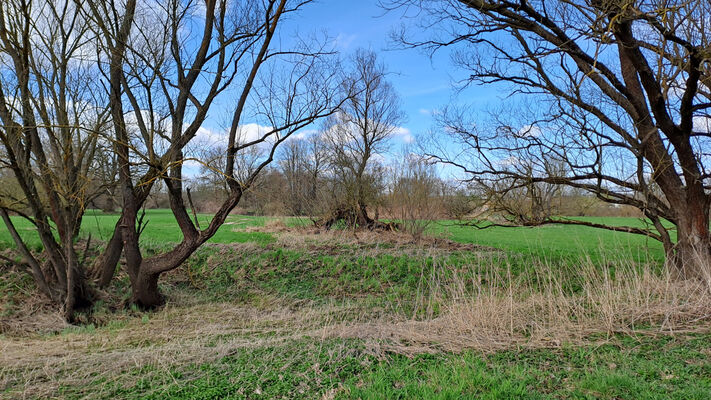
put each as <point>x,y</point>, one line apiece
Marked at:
<point>558,312</point>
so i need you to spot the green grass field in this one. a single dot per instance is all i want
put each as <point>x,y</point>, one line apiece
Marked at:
<point>336,316</point>
<point>161,228</point>
<point>545,241</point>
<point>563,240</point>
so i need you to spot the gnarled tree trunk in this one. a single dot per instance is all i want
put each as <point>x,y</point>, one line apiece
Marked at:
<point>693,247</point>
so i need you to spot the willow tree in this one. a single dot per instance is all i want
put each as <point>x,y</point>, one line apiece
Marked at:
<point>169,63</point>
<point>357,135</point>
<point>53,114</point>
<point>621,94</point>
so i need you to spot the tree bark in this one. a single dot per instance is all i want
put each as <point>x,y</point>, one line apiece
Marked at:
<point>35,268</point>
<point>79,294</point>
<point>104,267</point>
<point>693,247</point>
<point>144,290</point>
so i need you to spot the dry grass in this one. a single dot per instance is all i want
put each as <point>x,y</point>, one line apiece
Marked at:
<point>175,336</point>
<point>373,242</point>
<point>493,311</point>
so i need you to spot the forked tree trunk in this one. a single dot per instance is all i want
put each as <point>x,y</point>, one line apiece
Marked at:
<point>144,277</point>
<point>145,272</point>
<point>104,267</point>
<point>144,291</point>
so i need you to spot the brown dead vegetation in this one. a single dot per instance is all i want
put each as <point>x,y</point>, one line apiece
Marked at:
<point>497,313</point>
<point>174,336</point>
<point>314,238</point>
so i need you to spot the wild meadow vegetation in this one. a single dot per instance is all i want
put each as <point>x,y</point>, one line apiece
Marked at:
<point>275,308</point>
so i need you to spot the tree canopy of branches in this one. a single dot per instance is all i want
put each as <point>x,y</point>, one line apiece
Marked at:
<point>302,163</point>
<point>170,80</point>
<point>619,92</point>
<point>414,194</point>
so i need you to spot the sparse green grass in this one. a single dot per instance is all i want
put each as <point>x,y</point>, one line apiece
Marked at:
<point>648,368</point>
<point>397,279</point>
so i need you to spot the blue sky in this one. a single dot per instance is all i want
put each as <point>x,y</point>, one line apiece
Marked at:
<point>423,83</point>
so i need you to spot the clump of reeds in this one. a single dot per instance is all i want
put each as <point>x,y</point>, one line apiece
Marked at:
<point>552,303</point>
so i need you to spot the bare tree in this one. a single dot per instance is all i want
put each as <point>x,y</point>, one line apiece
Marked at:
<point>155,69</point>
<point>357,135</point>
<point>302,163</point>
<point>521,200</point>
<point>414,196</point>
<point>52,114</point>
<point>457,202</point>
<point>105,180</point>
<point>294,166</point>
<point>621,93</point>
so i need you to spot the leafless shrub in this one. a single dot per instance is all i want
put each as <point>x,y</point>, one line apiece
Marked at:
<point>414,199</point>
<point>521,200</point>
<point>457,204</point>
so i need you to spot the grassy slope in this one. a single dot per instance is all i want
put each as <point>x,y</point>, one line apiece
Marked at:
<point>647,368</point>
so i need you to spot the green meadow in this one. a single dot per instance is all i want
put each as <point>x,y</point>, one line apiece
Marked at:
<point>544,241</point>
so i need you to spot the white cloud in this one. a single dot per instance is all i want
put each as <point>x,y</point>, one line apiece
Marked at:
<point>208,138</point>
<point>509,161</point>
<point>404,134</point>
<point>303,134</point>
<point>529,131</point>
<point>192,163</point>
<point>344,41</point>
<point>378,158</point>
<point>246,133</point>
<point>251,132</point>
<point>702,124</point>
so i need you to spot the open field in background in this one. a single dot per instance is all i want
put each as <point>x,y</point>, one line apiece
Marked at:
<point>546,241</point>
<point>289,312</point>
<point>161,228</point>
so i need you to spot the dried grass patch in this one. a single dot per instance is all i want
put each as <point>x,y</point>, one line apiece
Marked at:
<point>332,242</point>
<point>494,312</point>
